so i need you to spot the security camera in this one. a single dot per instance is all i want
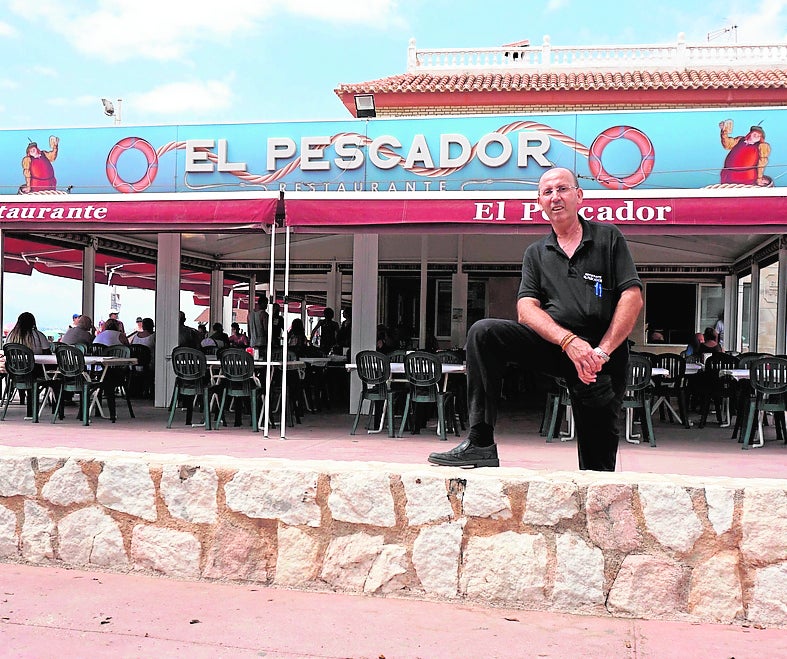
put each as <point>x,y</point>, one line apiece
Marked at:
<point>109,109</point>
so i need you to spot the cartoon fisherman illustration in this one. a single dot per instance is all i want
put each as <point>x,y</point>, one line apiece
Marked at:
<point>748,155</point>
<point>37,167</point>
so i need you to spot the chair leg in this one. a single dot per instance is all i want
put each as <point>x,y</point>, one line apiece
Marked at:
<point>206,405</point>
<point>220,416</point>
<point>390,413</point>
<point>9,392</point>
<point>85,404</point>
<point>58,405</point>
<point>404,416</point>
<point>649,423</point>
<point>172,405</point>
<point>254,426</point>
<point>357,415</point>
<point>441,417</point>
<point>750,420</point>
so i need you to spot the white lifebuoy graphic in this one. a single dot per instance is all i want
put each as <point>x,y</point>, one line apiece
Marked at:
<point>640,140</point>
<point>144,147</point>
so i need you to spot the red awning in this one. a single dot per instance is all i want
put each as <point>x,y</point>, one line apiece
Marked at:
<point>682,212</point>
<point>141,211</point>
<point>23,256</point>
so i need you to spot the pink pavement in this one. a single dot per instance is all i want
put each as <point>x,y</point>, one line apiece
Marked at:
<point>53,612</point>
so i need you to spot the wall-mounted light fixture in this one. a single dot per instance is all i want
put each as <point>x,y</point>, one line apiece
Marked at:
<point>364,106</point>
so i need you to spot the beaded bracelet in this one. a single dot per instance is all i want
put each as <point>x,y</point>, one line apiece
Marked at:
<point>566,340</point>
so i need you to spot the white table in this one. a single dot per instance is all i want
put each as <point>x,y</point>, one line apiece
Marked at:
<point>91,361</point>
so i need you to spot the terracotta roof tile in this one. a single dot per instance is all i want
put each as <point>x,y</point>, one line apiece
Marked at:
<point>588,80</point>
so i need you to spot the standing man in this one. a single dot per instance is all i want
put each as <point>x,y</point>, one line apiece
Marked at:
<point>258,324</point>
<point>578,300</point>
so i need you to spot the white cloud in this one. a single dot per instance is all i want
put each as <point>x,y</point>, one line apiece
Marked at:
<point>7,30</point>
<point>7,83</point>
<point>117,30</point>
<point>44,71</point>
<point>555,5</point>
<point>180,97</point>
<point>763,23</point>
<point>374,13</point>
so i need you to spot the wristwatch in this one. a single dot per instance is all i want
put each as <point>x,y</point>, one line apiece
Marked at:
<point>601,353</point>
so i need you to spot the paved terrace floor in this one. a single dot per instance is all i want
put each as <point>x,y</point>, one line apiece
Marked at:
<point>325,436</point>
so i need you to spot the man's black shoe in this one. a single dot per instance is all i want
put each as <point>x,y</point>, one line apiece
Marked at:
<point>467,455</point>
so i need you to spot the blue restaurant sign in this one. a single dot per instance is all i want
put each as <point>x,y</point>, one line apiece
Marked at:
<point>646,151</point>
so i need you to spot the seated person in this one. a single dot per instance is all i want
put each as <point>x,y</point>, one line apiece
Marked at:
<point>112,334</point>
<point>237,338</point>
<point>296,338</point>
<point>81,332</point>
<point>219,336</point>
<point>710,341</point>
<point>695,343</point>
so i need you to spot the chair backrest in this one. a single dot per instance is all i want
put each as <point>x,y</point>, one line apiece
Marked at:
<point>141,353</point>
<point>423,371</point>
<point>374,368</point>
<point>20,360</point>
<point>652,356</point>
<point>718,361</point>
<point>236,364</point>
<point>449,357</point>
<point>95,349</point>
<point>768,375</point>
<point>675,364</point>
<point>118,351</point>
<point>639,372</point>
<point>397,356</point>
<point>70,362</point>
<point>189,364</point>
<point>745,359</point>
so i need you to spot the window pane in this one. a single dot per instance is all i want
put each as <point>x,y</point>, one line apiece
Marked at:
<point>670,312</point>
<point>443,309</point>
<point>769,298</point>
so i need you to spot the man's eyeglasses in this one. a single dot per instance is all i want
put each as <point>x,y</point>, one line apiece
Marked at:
<point>560,190</point>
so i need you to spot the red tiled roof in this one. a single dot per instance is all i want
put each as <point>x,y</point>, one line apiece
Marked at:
<point>409,83</point>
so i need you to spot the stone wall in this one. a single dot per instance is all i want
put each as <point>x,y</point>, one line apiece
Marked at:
<point>629,545</point>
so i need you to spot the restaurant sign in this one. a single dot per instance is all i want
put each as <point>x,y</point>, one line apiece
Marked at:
<point>656,150</point>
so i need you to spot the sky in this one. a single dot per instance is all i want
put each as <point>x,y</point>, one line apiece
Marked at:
<point>200,61</point>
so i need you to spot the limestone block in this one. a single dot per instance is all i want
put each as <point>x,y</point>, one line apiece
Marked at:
<point>721,506</point>
<point>289,495</point>
<point>427,498</point>
<point>548,502</point>
<point>172,553</point>
<point>91,537</point>
<point>190,493</point>
<point>506,567</point>
<point>669,515</point>
<point>362,498</point>
<point>126,486</point>
<point>237,553</point>
<point>436,555</point>
<point>579,574</point>
<point>390,563</point>
<point>296,562</point>
<point>610,517</point>
<point>37,532</point>
<point>45,464</point>
<point>17,477</point>
<point>648,586</point>
<point>68,485</point>
<point>349,559</point>
<point>769,597</point>
<point>715,591</point>
<point>9,541</point>
<point>764,525</point>
<point>484,497</point>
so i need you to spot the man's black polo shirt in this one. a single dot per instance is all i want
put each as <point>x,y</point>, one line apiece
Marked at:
<point>580,293</point>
